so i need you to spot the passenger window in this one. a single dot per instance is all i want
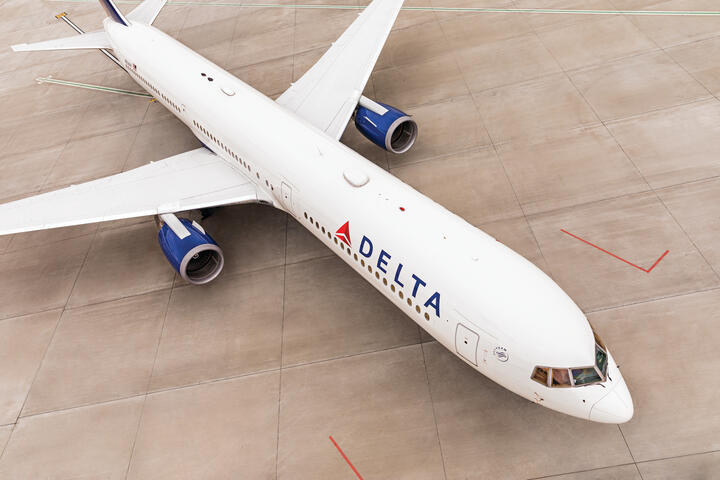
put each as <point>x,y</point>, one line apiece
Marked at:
<point>560,377</point>
<point>540,375</point>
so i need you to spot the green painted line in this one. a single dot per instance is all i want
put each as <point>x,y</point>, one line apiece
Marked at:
<point>93,87</point>
<point>663,13</point>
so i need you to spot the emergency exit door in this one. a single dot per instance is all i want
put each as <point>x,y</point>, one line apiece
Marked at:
<point>466,343</point>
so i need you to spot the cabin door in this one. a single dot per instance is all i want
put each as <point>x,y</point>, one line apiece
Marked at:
<point>466,343</point>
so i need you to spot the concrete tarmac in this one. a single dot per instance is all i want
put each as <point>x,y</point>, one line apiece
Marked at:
<point>607,127</point>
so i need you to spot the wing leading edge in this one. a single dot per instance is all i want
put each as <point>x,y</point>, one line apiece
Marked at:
<point>191,180</point>
<point>328,93</point>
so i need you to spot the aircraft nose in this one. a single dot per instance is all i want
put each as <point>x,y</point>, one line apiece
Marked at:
<point>615,407</point>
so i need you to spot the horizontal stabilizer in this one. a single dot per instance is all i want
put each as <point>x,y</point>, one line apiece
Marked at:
<point>147,11</point>
<point>86,40</point>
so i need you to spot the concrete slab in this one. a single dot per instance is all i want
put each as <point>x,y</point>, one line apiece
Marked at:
<point>99,353</point>
<point>471,184</point>
<point>157,140</point>
<point>564,168</point>
<point>584,44</point>
<point>302,245</point>
<point>111,113</point>
<point>694,58</point>
<point>38,238</point>
<point>43,131</point>
<point>533,108</point>
<point>223,430</point>
<point>569,168</point>
<point>624,472</point>
<point>639,339</point>
<point>700,224</point>
<point>673,146</point>
<point>271,77</point>
<point>493,64</point>
<point>94,441</point>
<point>637,228</point>
<point>413,45</point>
<point>23,342</point>
<point>331,312</point>
<point>390,433</point>
<point>489,432</point>
<point>637,85</point>
<point>464,30</point>
<point>700,466</point>
<point>441,132</point>
<point>41,281</point>
<point>25,173</point>
<point>666,31</point>
<point>334,21</point>
<point>122,262</point>
<point>109,153</point>
<point>541,22</point>
<point>419,84</point>
<point>265,34</point>
<point>5,433</point>
<point>231,327</point>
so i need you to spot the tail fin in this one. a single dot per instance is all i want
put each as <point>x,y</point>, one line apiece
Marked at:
<point>147,11</point>
<point>113,12</point>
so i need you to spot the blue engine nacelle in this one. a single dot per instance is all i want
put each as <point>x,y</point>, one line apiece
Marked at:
<point>392,130</point>
<point>195,256</point>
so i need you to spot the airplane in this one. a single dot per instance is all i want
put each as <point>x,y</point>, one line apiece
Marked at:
<point>492,308</point>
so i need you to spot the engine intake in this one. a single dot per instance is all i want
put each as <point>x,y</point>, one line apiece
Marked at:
<point>386,126</point>
<point>191,252</point>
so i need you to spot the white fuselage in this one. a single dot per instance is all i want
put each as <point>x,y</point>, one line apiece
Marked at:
<point>485,303</point>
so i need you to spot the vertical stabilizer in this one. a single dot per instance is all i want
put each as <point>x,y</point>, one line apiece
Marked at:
<point>113,12</point>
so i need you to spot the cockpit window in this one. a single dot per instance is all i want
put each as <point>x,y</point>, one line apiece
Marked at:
<point>576,376</point>
<point>560,377</point>
<point>601,360</point>
<point>540,375</point>
<point>583,376</point>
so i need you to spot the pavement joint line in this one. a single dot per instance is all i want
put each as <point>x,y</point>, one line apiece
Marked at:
<point>651,300</point>
<point>640,462</point>
<point>90,86</point>
<point>550,11</point>
<point>211,381</point>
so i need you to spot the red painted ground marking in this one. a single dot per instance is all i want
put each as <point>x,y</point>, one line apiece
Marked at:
<point>346,459</point>
<point>615,256</point>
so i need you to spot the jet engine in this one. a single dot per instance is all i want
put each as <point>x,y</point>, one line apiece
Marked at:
<point>385,126</point>
<point>191,252</point>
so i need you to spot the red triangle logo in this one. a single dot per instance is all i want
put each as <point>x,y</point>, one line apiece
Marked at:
<point>343,233</point>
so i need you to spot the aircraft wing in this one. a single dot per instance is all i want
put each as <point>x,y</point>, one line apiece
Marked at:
<point>190,180</point>
<point>328,93</point>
